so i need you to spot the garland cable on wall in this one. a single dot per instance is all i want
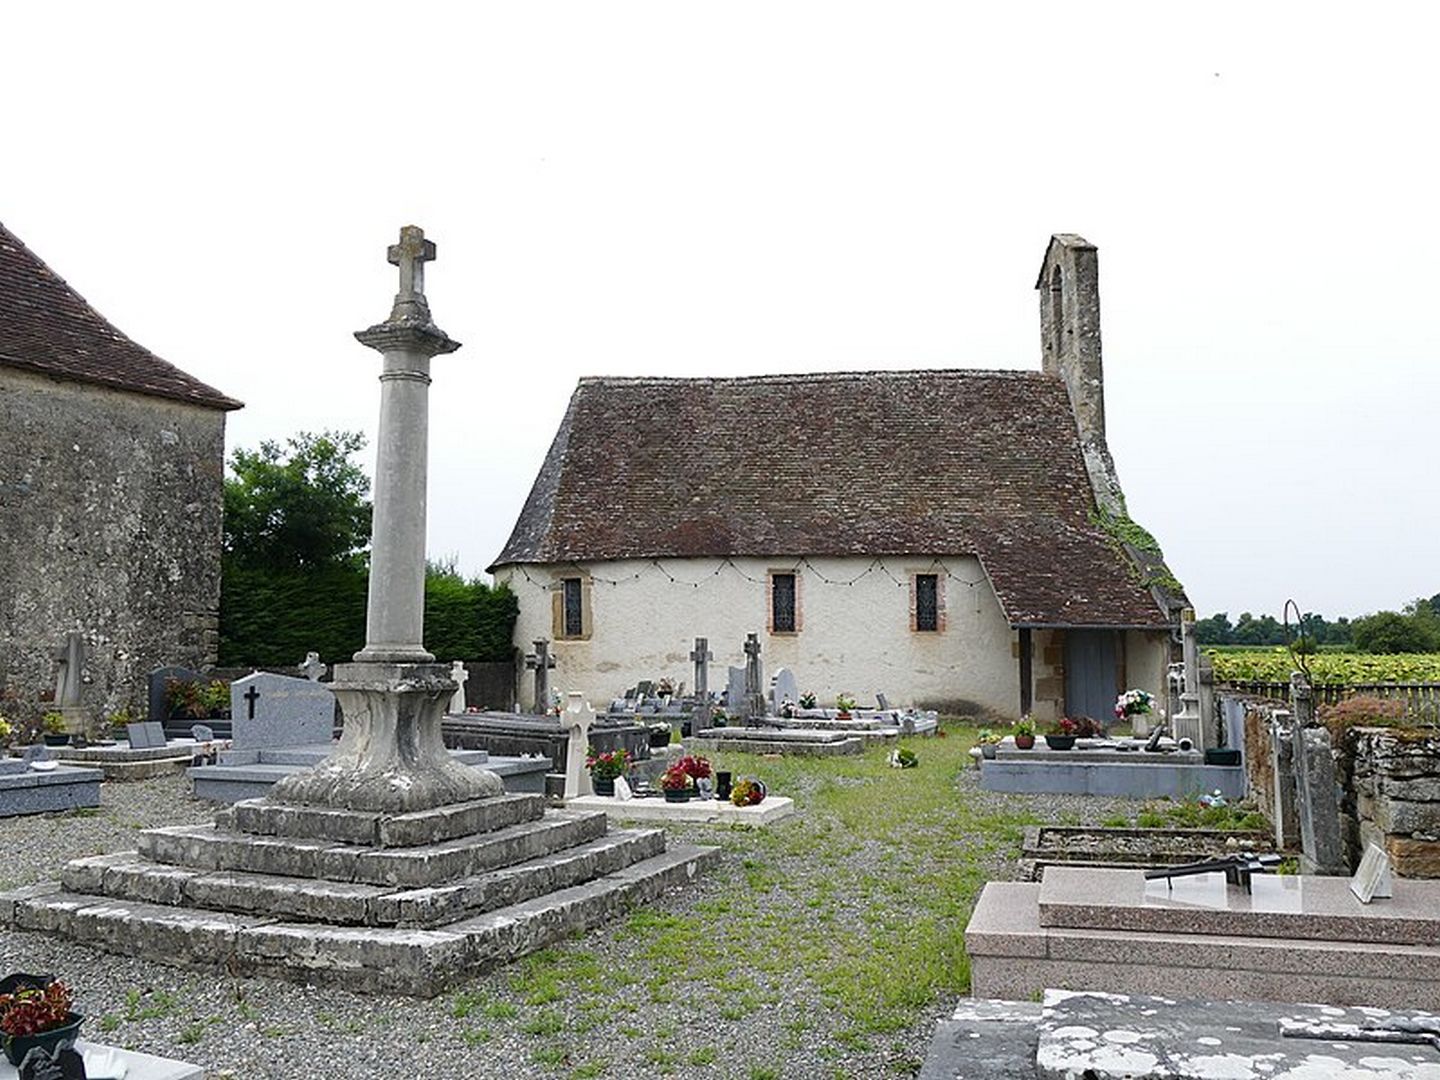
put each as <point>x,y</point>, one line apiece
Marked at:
<point>803,564</point>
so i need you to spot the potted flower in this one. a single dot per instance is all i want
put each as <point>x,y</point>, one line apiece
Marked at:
<point>677,784</point>
<point>987,741</point>
<point>7,732</point>
<point>1061,735</point>
<point>698,769</point>
<point>52,724</point>
<point>1025,733</point>
<point>35,1011</point>
<point>843,704</point>
<point>807,701</point>
<point>903,757</point>
<point>747,792</point>
<point>659,734</point>
<point>1133,703</point>
<point>604,768</point>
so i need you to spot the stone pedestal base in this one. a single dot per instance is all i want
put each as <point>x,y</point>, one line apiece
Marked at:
<point>391,757</point>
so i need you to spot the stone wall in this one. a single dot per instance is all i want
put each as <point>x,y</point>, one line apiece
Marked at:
<point>110,519</point>
<point>1394,777</point>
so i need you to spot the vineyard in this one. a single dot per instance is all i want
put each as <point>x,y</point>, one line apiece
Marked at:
<point>1275,665</point>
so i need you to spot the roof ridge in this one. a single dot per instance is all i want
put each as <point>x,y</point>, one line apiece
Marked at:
<point>813,376</point>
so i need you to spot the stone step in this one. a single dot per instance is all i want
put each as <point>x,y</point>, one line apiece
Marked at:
<point>208,847</point>
<point>129,876</point>
<point>265,817</point>
<point>419,962</point>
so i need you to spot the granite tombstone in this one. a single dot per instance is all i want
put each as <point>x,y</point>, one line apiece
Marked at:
<point>275,710</point>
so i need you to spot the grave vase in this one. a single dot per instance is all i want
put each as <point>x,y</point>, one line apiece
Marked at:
<point>604,786</point>
<point>1060,742</point>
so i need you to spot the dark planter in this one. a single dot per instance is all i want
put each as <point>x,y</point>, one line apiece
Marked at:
<point>1060,742</point>
<point>1025,742</point>
<point>683,795</point>
<point>603,787</point>
<point>57,740</point>
<point>987,751</point>
<point>1216,756</point>
<point>659,738</point>
<point>722,786</point>
<point>17,1047</point>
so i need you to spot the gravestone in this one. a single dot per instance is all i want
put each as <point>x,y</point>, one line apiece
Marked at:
<point>882,701</point>
<point>145,735</point>
<point>36,752</point>
<point>1282,767</point>
<point>702,656</point>
<point>202,733</point>
<point>460,675</point>
<point>69,679</point>
<point>269,711</point>
<point>542,663</point>
<point>783,688</point>
<point>312,668</point>
<point>159,708</point>
<point>1317,803</point>
<point>735,691</point>
<point>754,706</point>
<point>577,720</point>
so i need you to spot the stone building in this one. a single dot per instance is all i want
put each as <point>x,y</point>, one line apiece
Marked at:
<point>956,539</point>
<point>111,464</point>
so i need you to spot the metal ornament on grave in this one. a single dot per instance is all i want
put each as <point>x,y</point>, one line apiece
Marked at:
<point>391,757</point>
<point>542,663</point>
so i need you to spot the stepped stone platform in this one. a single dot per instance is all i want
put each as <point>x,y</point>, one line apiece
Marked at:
<point>1100,767</point>
<point>399,903</point>
<point>1293,938</point>
<point>120,761</point>
<point>24,790</point>
<point>250,774</point>
<point>1101,1036</point>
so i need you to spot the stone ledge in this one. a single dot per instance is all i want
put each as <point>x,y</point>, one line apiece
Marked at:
<point>264,817</point>
<point>773,809</point>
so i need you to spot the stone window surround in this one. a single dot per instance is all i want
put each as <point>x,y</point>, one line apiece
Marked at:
<point>770,601</point>
<point>912,576</point>
<point>557,605</point>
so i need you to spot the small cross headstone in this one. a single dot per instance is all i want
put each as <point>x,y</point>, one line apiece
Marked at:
<point>577,719</point>
<point>542,663</point>
<point>702,656</point>
<point>754,679</point>
<point>459,676</point>
<point>71,659</point>
<point>312,668</point>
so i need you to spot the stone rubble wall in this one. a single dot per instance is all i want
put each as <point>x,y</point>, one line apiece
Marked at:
<point>1394,778</point>
<point>110,519</point>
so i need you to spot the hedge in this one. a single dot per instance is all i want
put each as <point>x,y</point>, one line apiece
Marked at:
<point>272,619</point>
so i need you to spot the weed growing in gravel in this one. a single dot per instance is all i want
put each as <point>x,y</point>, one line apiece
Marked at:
<point>149,1004</point>
<point>109,1022</point>
<point>545,1022</point>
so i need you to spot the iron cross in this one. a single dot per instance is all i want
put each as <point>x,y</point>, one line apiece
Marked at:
<point>410,255</point>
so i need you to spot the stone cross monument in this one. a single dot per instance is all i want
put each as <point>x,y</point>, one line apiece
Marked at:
<point>460,677</point>
<point>1188,723</point>
<point>542,663</point>
<point>312,668</point>
<point>754,679</point>
<point>391,758</point>
<point>576,722</point>
<point>69,681</point>
<point>702,656</point>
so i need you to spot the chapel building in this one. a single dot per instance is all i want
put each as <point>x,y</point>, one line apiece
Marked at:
<point>955,539</point>
<point>111,464</point>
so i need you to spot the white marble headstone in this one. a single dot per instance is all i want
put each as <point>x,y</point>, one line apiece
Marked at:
<point>783,688</point>
<point>577,720</point>
<point>459,675</point>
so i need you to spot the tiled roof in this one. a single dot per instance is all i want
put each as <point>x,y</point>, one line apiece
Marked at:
<point>875,463</point>
<point>47,327</point>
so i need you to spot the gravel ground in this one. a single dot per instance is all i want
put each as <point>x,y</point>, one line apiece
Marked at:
<point>637,998</point>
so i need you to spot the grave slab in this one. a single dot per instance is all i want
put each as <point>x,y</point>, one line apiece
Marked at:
<point>773,809</point>
<point>101,1060</point>
<point>1074,772</point>
<point>66,787</point>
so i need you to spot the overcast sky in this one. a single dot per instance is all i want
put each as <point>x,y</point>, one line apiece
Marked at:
<point>739,188</point>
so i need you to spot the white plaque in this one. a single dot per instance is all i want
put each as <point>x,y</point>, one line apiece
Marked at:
<point>1372,879</point>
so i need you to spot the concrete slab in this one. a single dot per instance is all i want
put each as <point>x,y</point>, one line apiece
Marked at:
<point>1289,906</point>
<point>1074,773</point>
<point>773,809</point>
<point>101,1060</point>
<point>65,787</point>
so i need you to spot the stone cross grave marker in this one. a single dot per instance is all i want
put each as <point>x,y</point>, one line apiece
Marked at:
<point>882,701</point>
<point>70,658</point>
<point>460,675</point>
<point>270,711</point>
<point>577,720</point>
<point>754,679</point>
<point>542,663</point>
<point>145,736</point>
<point>159,708</point>
<point>312,668</point>
<point>783,688</point>
<point>702,656</point>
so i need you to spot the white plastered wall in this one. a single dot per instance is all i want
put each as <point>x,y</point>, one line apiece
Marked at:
<point>854,638</point>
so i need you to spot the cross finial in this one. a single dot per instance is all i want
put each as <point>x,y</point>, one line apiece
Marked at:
<point>410,255</point>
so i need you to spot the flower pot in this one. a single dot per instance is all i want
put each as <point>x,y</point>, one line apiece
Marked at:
<point>987,751</point>
<point>1025,742</point>
<point>722,785</point>
<point>682,795</point>
<point>603,787</point>
<point>1060,742</point>
<point>659,738</point>
<point>57,740</point>
<point>18,1046</point>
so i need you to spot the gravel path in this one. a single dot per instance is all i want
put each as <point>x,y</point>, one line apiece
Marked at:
<point>699,984</point>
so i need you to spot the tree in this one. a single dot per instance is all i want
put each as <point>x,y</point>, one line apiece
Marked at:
<point>1214,630</point>
<point>1391,632</point>
<point>305,510</point>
